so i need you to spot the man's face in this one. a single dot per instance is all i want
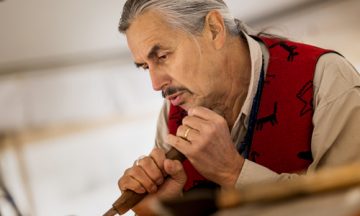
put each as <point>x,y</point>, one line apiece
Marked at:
<point>182,66</point>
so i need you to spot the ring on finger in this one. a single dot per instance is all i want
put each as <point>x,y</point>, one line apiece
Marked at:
<point>186,134</point>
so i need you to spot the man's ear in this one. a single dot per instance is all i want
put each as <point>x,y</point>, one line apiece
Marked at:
<point>215,28</point>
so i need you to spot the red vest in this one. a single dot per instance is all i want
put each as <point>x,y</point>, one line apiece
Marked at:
<point>282,135</point>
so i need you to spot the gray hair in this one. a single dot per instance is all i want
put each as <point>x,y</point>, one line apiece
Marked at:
<point>186,15</point>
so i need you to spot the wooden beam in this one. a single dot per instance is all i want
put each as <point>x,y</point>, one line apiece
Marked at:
<point>300,7</point>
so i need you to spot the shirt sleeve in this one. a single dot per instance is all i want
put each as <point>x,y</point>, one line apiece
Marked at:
<point>335,138</point>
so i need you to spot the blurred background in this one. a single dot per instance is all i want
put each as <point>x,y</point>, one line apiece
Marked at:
<point>75,112</point>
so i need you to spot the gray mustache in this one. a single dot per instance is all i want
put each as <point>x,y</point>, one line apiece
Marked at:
<point>172,90</point>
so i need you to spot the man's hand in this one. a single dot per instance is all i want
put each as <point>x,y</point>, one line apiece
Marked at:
<point>208,146</point>
<point>149,176</point>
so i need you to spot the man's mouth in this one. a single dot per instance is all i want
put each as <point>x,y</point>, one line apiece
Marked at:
<point>174,95</point>
<point>175,99</point>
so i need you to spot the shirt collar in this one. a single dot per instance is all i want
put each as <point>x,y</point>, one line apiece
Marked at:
<point>256,64</point>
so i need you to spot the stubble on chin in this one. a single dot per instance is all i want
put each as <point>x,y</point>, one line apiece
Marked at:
<point>217,108</point>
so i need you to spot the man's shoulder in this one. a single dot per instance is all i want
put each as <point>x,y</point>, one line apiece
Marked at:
<point>339,68</point>
<point>334,76</point>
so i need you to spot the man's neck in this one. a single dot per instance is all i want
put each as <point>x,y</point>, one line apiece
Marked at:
<point>239,68</point>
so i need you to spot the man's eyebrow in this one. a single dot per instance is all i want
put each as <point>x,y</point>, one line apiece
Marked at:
<point>152,54</point>
<point>153,51</point>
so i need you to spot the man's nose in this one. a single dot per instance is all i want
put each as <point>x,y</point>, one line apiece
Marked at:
<point>158,79</point>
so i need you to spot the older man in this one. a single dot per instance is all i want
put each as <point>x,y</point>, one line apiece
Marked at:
<point>242,108</point>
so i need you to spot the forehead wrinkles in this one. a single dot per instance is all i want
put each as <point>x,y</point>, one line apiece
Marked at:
<point>144,47</point>
<point>146,31</point>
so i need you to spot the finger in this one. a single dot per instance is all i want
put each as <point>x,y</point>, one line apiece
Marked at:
<point>194,122</point>
<point>176,171</point>
<point>137,160</point>
<point>180,144</point>
<point>139,174</point>
<point>151,169</point>
<point>154,165</point>
<point>128,183</point>
<point>186,132</point>
<point>180,132</point>
<point>203,113</point>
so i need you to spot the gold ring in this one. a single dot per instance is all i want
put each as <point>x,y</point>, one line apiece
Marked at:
<point>186,133</point>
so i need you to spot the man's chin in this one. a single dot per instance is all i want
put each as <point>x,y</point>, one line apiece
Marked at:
<point>186,105</point>
<point>189,102</point>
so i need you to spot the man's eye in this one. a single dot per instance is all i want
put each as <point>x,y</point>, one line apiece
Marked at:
<point>162,57</point>
<point>145,67</point>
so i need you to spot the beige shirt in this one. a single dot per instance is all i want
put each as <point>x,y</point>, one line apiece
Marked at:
<point>336,134</point>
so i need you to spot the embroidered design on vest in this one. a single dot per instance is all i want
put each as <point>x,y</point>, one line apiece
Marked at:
<point>305,95</point>
<point>267,119</point>
<point>289,49</point>
<point>305,155</point>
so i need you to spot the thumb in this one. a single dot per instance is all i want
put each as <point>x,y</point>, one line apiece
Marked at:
<point>175,170</point>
